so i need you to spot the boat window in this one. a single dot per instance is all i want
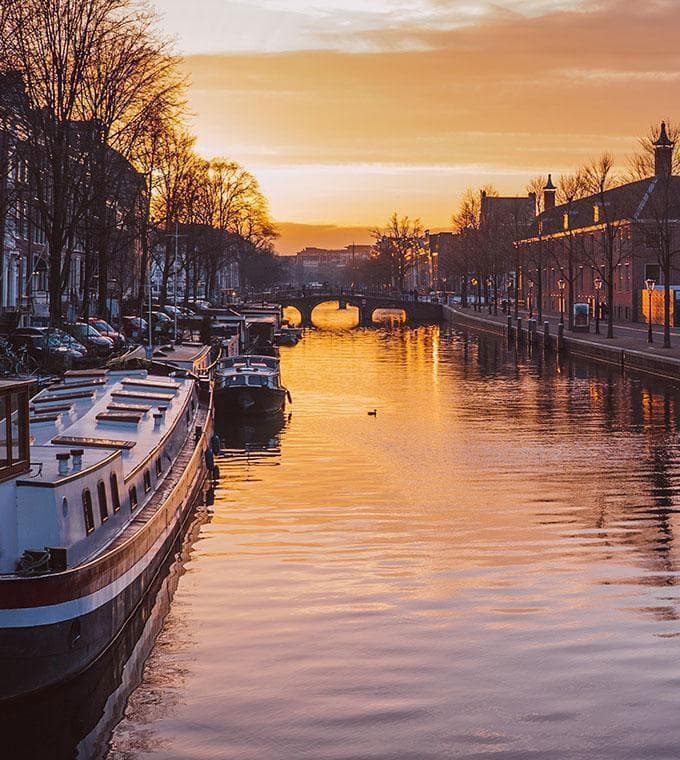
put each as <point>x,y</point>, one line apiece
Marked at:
<point>159,467</point>
<point>4,451</point>
<point>259,380</point>
<point>147,481</point>
<point>133,498</point>
<point>236,380</point>
<point>103,507</point>
<point>115,496</point>
<point>87,511</point>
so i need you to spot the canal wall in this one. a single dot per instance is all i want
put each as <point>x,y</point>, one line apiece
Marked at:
<point>627,359</point>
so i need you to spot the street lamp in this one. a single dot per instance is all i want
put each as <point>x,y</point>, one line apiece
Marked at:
<point>650,289</point>
<point>560,284</point>
<point>509,284</point>
<point>597,282</point>
<point>473,282</point>
<point>531,300</point>
<point>112,287</point>
<point>489,283</point>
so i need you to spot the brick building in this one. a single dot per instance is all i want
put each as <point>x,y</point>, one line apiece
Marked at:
<point>571,243</point>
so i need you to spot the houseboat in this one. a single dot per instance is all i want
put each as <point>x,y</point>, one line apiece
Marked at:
<point>248,386</point>
<point>98,475</point>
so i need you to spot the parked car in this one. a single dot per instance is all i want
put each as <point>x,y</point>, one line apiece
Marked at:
<point>96,344</point>
<point>68,340</point>
<point>47,345</point>
<point>163,326</point>
<point>105,329</point>
<point>135,329</point>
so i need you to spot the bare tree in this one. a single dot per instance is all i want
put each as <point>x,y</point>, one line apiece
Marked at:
<point>599,178</point>
<point>91,71</point>
<point>401,244</point>
<point>570,189</point>
<point>536,254</point>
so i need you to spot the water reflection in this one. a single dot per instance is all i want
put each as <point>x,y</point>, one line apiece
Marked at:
<point>485,569</point>
<point>76,719</point>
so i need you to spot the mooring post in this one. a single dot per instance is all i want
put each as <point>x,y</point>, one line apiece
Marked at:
<point>546,334</point>
<point>560,337</point>
<point>520,335</point>
<point>531,326</point>
<point>509,326</point>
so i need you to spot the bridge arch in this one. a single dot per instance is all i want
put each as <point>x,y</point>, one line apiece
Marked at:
<point>334,314</point>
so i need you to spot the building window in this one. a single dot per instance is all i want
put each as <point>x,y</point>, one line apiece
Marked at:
<point>565,220</point>
<point>133,498</point>
<point>653,272</point>
<point>115,497</point>
<point>596,213</point>
<point>88,514</point>
<point>103,506</point>
<point>159,467</point>
<point>147,481</point>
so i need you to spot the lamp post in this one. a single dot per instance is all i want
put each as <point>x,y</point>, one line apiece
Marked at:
<point>531,300</point>
<point>650,289</point>
<point>509,284</point>
<point>560,284</point>
<point>489,283</point>
<point>598,286</point>
<point>111,288</point>
<point>473,282</point>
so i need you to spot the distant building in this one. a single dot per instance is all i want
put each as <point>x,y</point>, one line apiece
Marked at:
<point>336,266</point>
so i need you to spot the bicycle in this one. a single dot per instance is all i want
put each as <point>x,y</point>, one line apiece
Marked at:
<point>17,363</point>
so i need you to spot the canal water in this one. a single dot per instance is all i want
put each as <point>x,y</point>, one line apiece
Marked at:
<point>485,568</point>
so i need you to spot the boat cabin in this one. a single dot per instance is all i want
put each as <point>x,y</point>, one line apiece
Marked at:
<point>14,428</point>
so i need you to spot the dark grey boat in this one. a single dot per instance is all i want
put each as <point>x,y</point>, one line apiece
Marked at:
<point>249,386</point>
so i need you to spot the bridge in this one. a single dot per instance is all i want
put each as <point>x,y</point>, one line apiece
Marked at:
<point>305,301</point>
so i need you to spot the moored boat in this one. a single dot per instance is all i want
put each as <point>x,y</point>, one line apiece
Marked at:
<point>249,385</point>
<point>98,475</point>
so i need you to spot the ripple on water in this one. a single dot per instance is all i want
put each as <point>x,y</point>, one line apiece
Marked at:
<point>486,569</point>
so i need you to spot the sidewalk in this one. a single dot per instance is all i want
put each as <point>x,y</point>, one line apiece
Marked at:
<point>629,345</point>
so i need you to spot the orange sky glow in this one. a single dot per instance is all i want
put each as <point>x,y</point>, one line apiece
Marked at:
<point>347,111</point>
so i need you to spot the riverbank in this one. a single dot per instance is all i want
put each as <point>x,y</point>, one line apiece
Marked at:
<point>628,350</point>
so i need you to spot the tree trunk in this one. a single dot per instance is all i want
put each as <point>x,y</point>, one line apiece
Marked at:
<point>666,306</point>
<point>610,290</point>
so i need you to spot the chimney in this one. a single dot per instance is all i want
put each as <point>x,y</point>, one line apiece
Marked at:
<point>549,194</point>
<point>62,460</point>
<point>663,154</point>
<point>77,455</point>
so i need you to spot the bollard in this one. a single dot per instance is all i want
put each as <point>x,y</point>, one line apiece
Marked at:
<point>520,335</point>
<point>531,327</point>
<point>560,337</point>
<point>546,334</point>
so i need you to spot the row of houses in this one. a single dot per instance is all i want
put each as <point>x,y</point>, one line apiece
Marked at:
<point>102,261</point>
<point>608,248</point>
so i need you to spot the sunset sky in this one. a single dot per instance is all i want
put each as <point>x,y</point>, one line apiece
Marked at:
<point>347,110</point>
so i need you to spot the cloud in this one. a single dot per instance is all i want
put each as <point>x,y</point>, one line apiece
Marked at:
<point>521,88</point>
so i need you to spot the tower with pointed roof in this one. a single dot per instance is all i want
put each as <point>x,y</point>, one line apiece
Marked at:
<point>549,194</point>
<point>663,153</point>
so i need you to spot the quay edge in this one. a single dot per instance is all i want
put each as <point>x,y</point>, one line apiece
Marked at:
<point>664,368</point>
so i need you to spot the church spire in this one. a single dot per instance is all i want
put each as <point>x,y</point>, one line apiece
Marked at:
<point>663,153</point>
